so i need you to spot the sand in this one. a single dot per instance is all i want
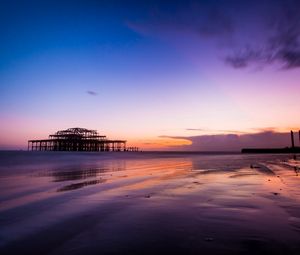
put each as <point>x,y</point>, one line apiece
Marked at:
<point>149,203</point>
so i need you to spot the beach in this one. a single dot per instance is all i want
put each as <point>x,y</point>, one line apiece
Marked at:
<point>149,203</point>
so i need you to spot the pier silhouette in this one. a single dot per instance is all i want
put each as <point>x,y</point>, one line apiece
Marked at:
<point>78,139</point>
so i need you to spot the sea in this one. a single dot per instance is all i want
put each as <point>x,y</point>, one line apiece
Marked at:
<point>149,203</point>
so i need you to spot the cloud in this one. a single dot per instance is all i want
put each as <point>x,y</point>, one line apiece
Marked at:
<point>244,57</point>
<point>265,129</point>
<point>196,129</point>
<point>274,24</point>
<point>235,142</point>
<point>207,130</point>
<point>92,93</point>
<point>282,43</point>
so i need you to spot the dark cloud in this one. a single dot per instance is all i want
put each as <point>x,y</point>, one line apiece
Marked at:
<point>92,93</point>
<point>244,57</point>
<point>235,142</point>
<point>282,40</point>
<point>274,24</point>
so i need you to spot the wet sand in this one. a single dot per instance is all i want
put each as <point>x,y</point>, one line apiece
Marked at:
<point>149,203</point>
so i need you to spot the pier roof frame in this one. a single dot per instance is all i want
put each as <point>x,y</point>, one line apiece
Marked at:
<point>77,133</point>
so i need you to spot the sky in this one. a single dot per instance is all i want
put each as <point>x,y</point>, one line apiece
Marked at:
<point>164,75</point>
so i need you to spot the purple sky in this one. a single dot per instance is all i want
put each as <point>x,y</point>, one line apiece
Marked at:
<point>199,75</point>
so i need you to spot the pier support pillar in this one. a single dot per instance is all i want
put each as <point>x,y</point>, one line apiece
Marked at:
<point>292,139</point>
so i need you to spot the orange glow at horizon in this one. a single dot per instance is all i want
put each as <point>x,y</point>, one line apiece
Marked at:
<point>159,143</point>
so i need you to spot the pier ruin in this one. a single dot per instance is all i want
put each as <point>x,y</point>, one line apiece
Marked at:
<point>78,139</point>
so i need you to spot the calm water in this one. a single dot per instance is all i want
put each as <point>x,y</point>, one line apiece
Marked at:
<point>134,203</point>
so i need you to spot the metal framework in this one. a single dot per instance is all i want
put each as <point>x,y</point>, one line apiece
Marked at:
<point>78,139</point>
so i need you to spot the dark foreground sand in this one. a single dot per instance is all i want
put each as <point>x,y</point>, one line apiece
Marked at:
<point>148,203</point>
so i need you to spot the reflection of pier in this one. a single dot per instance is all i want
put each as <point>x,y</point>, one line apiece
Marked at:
<point>78,139</point>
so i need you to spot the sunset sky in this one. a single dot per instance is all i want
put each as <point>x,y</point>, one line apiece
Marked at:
<point>161,74</point>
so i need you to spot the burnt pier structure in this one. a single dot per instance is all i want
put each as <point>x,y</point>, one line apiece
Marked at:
<point>78,139</point>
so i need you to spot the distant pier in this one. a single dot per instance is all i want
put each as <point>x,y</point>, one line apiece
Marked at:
<point>271,150</point>
<point>78,139</point>
<point>292,149</point>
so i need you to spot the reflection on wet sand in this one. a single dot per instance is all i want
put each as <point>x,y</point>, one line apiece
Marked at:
<point>80,185</point>
<point>209,204</point>
<point>76,174</point>
<point>66,176</point>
